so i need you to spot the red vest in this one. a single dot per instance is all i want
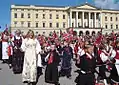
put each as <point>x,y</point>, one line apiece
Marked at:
<point>50,61</point>
<point>117,55</point>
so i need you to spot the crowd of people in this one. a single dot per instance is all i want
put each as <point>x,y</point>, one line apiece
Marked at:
<point>28,54</point>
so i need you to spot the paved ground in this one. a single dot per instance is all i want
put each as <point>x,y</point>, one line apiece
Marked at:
<point>8,78</point>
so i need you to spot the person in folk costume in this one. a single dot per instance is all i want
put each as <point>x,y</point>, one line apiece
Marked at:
<point>10,52</point>
<point>102,60</point>
<point>67,55</point>
<point>31,48</point>
<point>81,51</point>
<point>111,51</point>
<point>59,48</point>
<point>5,38</point>
<point>76,49</point>
<point>17,60</point>
<point>1,46</point>
<point>87,67</point>
<point>114,73</point>
<point>51,72</point>
<point>39,62</point>
<point>72,46</point>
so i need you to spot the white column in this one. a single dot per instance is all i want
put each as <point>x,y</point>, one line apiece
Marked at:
<point>101,19</point>
<point>83,18</point>
<point>70,18</point>
<point>89,19</point>
<point>77,19</point>
<point>95,18</point>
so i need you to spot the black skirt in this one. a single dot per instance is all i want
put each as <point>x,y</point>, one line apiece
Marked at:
<point>114,75</point>
<point>51,74</point>
<point>17,61</point>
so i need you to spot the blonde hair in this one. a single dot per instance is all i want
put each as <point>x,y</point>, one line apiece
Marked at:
<point>30,31</point>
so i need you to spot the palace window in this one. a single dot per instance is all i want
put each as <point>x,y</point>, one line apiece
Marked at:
<point>64,24</point>
<point>36,16</point>
<point>106,26</point>
<point>22,23</point>
<point>22,15</point>
<point>43,24</point>
<point>50,16</point>
<point>43,16</point>
<point>15,23</point>
<point>110,18</point>
<point>73,15</point>
<point>50,25</point>
<point>15,15</point>
<point>106,18</point>
<point>37,25</point>
<point>29,24</point>
<point>116,18</point>
<point>29,16</point>
<point>57,16</point>
<point>116,26</point>
<point>63,16</point>
<point>111,26</point>
<point>72,24</point>
<point>57,25</point>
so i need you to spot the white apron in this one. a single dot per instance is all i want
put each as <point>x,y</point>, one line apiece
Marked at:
<point>39,62</point>
<point>4,50</point>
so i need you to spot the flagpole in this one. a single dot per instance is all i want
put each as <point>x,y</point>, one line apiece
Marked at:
<point>101,8</point>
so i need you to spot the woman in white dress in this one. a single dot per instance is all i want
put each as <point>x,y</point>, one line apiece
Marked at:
<point>32,48</point>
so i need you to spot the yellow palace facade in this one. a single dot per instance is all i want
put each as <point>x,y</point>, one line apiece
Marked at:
<point>45,19</point>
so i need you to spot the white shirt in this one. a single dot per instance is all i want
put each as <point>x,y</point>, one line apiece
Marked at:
<point>103,57</point>
<point>80,51</point>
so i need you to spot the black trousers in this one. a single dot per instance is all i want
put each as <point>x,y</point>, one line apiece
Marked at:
<point>10,60</point>
<point>86,79</point>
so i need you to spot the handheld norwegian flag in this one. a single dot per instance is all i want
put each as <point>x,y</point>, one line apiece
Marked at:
<point>54,35</point>
<point>99,39</point>
<point>6,29</point>
<point>70,31</point>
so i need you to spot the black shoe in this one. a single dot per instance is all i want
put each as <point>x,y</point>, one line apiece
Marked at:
<point>3,62</point>
<point>69,77</point>
<point>10,66</point>
<point>57,84</point>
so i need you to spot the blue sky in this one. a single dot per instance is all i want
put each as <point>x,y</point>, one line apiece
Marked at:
<point>5,6</point>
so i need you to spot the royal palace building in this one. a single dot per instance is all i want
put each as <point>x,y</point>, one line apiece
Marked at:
<point>46,19</point>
